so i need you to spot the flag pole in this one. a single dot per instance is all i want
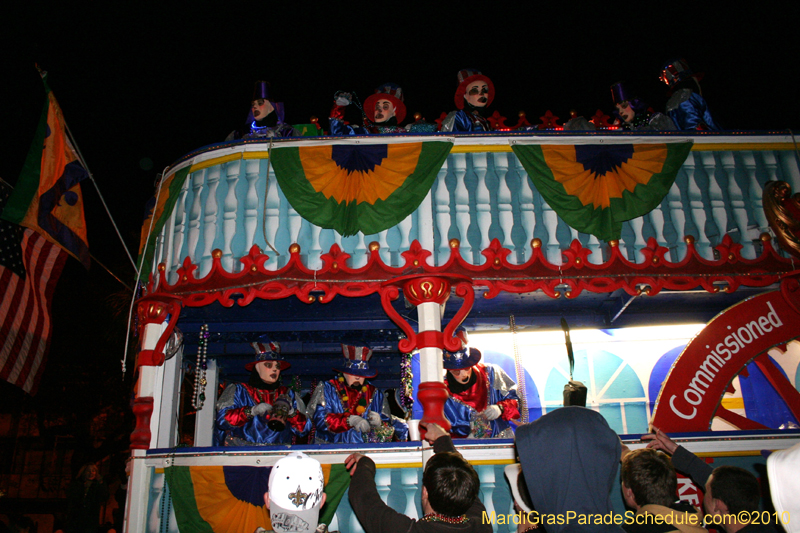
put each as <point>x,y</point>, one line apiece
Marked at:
<point>105,206</point>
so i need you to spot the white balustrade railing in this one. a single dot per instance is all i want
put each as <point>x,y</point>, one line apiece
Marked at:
<point>481,193</point>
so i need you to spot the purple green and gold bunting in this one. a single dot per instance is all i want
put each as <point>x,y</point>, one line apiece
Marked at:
<point>362,187</point>
<point>230,499</point>
<point>596,187</point>
<point>158,211</point>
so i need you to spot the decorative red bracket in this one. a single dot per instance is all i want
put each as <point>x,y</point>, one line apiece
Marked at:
<point>155,309</point>
<point>143,410</point>
<point>427,288</point>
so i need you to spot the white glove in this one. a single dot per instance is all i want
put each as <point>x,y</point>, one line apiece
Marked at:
<point>492,412</point>
<point>359,424</point>
<point>260,409</point>
<point>343,99</point>
<point>375,419</point>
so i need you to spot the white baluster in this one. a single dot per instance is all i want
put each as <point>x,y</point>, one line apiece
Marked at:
<point>678,217</point>
<point>756,191</point>
<point>697,209</point>
<point>484,210</point>
<point>251,202</point>
<point>198,178</point>
<point>505,215</point>
<point>180,230</point>
<point>315,250</point>
<point>355,525</point>
<point>738,207</point>
<point>156,494</point>
<point>425,226</point>
<point>409,479</point>
<point>718,210</point>
<point>527,215</point>
<point>359,256</point>
<point>230,208</point>
<point>550,219</point>
<point>385,252</point>
<point>596,256</point>
<point>273,211</point>
<point>210,218</point>
<point>657,220</point>
<point>770,164</point>
<point>383,482</point>
<point>404,227</point>
<point>638,238</point>
<point>462,205</point>
<point>487,477</point>
<point>443,219</point>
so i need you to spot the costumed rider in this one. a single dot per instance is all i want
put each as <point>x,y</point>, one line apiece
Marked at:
<point>262,411</point>
<point>474,95</point>
<point>686,105</point>
<point>483,398</point>
<point>382,112</point>
<point>633,113</point>
<point>348,409</point>
<point>266,118</point>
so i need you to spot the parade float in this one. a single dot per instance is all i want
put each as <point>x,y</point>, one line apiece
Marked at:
<point>681,300</point>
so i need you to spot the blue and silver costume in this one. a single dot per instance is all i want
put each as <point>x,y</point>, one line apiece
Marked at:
<point>236,426</point>
<point>330,416</point>
<point>689,110</point>
<point>493,387</point>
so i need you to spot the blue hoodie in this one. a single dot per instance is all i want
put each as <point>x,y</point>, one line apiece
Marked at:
<point>570,459</point>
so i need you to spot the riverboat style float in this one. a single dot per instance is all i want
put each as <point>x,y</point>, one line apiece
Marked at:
<point>683,309</point>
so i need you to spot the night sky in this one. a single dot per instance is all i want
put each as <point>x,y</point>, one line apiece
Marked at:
<point>140,86</point>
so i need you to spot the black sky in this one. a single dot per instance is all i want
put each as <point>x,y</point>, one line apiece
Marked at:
<point>140,85</point>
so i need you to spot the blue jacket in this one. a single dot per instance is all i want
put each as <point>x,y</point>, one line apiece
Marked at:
<point>235,427</point>
<point>689,111</point>
<point>463,417</point>
<point>326,401</point>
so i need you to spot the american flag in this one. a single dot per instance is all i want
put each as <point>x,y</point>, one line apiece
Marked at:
<point>30,266</point>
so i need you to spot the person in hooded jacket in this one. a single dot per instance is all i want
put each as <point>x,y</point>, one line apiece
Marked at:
<point>570,458</point>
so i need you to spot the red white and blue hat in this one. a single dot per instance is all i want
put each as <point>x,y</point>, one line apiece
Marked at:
<point>463,358</point>
<point>391,92</point>
<point>356,361</point>
<point>467,76</point>
<point>266,350</point>
<point>677,70</point>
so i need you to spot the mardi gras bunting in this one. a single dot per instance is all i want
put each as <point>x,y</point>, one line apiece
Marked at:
<point>157,212</point>
<point>352,187</point>
<point>596,187</point>
<point>230,499</point>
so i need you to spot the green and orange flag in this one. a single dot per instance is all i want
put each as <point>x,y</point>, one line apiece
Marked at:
<point>367,185</point>
<point>596,187</point>
<point>48,197</point>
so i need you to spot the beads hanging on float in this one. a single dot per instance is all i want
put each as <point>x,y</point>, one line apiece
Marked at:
<point>200,380</point>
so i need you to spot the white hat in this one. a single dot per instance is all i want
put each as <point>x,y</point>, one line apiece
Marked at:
<point>295,493</point>
<point>784,485</point>
<point>512,472</point>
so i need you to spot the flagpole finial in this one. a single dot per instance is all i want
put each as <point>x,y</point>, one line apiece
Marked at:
<point>42,73</point>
